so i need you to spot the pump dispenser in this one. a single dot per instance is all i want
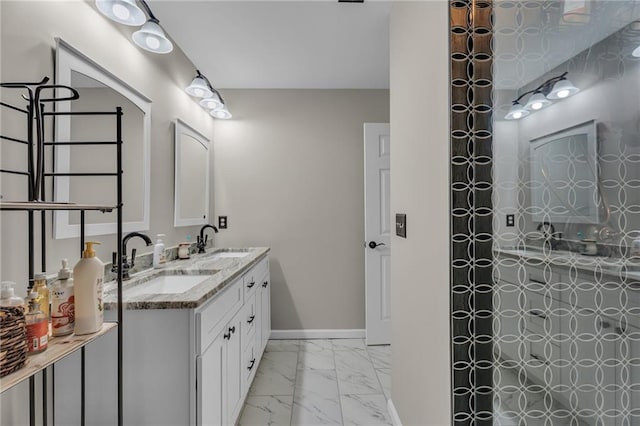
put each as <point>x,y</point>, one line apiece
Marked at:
<point>62,302</point>
<point>159,256</point>
<point>88,276</point>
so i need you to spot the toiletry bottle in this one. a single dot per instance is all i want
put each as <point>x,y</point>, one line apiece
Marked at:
<point>88,276</point>
<point>37,326</point>
<point>7,295</point>
<point>62,302</point>
<point>40,287</point>
<point>159,256</point>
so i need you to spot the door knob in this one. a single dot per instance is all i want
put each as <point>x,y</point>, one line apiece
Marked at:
<point>373,244</point>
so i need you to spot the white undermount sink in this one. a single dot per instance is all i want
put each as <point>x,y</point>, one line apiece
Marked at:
<point>229,254</point>
<point>166,284</point>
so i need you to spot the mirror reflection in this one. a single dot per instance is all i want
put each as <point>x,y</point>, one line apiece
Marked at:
<point>191,176</point>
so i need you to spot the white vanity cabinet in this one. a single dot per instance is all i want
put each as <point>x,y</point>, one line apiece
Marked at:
<point>227,363</point>
<point>181,366</point>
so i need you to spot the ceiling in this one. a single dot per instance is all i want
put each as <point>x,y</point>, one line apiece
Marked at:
<point>283,44</point>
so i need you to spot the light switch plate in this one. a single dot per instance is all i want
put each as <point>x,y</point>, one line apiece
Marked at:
<point>401,225</point>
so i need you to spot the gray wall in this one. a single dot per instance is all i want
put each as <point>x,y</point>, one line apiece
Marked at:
<point>420,387</point>
<point>289,175</point>
<point>27,42</point>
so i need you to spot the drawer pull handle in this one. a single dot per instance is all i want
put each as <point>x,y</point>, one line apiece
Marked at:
<point>232,330</point>
<point>227,336</point>
<point>251,364</point>
<point>265,284</point>
<point>251,318</point>
<point>537,314</point>
<point>251,284</point>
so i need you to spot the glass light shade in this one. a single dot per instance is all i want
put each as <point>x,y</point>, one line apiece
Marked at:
<point>636,52</point>
<point>537,102</point>
<point>199,88</point>
<point>151,38</point>
<point>212,102</point>
<point>222,112</point>
<point>516,112</point>
<point>562,89</point>
<point>125,12</point>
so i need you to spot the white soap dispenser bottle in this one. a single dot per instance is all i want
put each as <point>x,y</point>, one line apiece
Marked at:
<point>159,255</point>
<point>89,277</point>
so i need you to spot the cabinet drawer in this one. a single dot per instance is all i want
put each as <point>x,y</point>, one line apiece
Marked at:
<point>213,316</point>
<point>250,318</point>
<point>249,364</point>
<point>252,277</point>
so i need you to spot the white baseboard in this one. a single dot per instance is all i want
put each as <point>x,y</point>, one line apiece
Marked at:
<point>318,334</point>
<point>395,418</point>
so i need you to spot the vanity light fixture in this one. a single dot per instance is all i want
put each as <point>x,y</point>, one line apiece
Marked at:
<point>221,112</point>
<point>537,101</point>
<point>555,88</point>
<point>201,87</point>
<point>517,112</point>
<point>562,89</point>
<point>125,12</point>
<point>150,37</point>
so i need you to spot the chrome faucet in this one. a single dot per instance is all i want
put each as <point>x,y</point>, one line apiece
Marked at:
<point>126,266</point>
<point>201,243</point>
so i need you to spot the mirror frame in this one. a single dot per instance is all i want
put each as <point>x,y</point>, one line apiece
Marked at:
<point>67,59</point>
<point>182,128</point>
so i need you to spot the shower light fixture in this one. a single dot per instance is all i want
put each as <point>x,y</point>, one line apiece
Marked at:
<point>123,11</point>
<point>201,87</point>
<point>555,88</point>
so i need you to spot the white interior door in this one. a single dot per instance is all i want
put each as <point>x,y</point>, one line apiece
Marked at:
<point>377,220</point>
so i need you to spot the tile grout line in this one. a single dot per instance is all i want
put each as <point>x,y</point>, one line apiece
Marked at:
<point>295,382</point>
<point>335,365</point>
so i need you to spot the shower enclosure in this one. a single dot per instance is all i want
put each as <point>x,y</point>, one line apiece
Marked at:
<point>545,202</point>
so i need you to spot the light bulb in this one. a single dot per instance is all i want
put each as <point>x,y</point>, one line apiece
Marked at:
<point>563,93</point>
<point>517,115</point>
<point>198,92</point>
<point>120,11</point>
<point>636,52</point>
<point>536,105</point>
<point>152,42</point>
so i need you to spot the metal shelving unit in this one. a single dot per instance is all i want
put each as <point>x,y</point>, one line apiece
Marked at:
<point>35,173</point>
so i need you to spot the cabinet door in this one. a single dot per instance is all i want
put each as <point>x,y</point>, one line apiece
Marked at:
<point>211,384</point>
<point>234,368</point>
<point>265,309</point>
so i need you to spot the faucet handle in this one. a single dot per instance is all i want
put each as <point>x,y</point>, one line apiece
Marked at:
<point>114,262</point>
<point>133,258</point>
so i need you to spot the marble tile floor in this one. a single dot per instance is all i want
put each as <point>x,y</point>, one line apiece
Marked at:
<point>320,382</point>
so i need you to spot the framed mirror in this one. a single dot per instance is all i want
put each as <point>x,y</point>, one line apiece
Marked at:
<point>564,175</point>
<point>192,174</point>
<point>100,91</point>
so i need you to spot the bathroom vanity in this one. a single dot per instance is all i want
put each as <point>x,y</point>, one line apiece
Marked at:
<point>194,334</point>
<point>571,321</point>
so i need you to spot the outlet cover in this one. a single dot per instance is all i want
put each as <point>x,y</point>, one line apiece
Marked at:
<point>222,222</point>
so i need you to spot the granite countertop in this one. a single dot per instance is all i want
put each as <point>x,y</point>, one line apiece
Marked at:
<point>223,271</point>
<point>627,269</point>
